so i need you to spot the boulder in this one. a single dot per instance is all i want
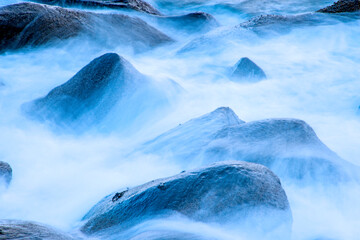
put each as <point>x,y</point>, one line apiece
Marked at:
<point>32,25</point>
<point>226,192</point>
<point>5,173</point>
<point>137,5</point>
<point>272,23</point>
<point>342,6</point>
<point>197,22</point>
<point>289,147</point>
<point>16,229</point>
<point>246,70</point>
<point>87,98</point>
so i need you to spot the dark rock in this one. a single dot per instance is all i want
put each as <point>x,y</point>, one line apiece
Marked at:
<point>342,6</point>
<point>272,23</point>
<point>197,22</point>
<point>85,100</point>
<point>118,195</point>
<point>16,229</point>
<point>137,5</point>
<point>289,147</point>
<point>223,192</point>
<point>247,70</point>
<point>32,25</point>
<point>94,90</point>
<point>188,138</point>
<point>5,172</point>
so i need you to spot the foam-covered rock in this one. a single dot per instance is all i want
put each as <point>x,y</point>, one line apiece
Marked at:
<point>5,173</point>
<point>246,70</point>
<point>197,22</point>
<point>227,192</point>
<point>16,229</point>
<point>32,25</point>
<point>137,5</point>
<point>88,97</point>
<point>289,147</point>
<point>342,6</point>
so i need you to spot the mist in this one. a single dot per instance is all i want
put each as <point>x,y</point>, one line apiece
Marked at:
<point>312,74</point>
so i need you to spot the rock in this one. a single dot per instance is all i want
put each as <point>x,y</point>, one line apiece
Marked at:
<point>289,147</point>
<point>227,192</point>
<point>188,138</point>
<point>32,25</point>
<point>247,70</point>
<point>137,5</point>
<point>5,172</point>
<point>16,229</point>
<point>87,98</point>
<point>197,22</point>
<point>342,6</point>
<point>271,23</point>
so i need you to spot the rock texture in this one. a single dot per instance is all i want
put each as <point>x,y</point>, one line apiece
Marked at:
<point>16,229</point>
<point>5,172</point>
<point>342,6</point>
<point>137,5</point>
<point>94,90</point>
<point>223,192</point>
<point>32,25</point>
<point>85,100</point>
<point>282,23</point>
<point>247,70</point>
<point>197,22</point>
<point>289,147</point>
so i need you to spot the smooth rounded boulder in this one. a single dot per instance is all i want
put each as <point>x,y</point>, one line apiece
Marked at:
<point>196,22</point>
<point>226,192</point>
<point>137,5</point>
<point>17,229</point>
<point>5,173</point>
<point>88,98</point>
<point>29,25</point>
<point>289,147</point>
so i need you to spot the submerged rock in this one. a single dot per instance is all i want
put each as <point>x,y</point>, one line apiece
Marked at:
<point>89,96</point>
<point>5,172</point>
<point>197,22</point>
<point>342,6</point>
<point>227,192</point>
<point>32,25</point>
<point>137,5</point>
<point>16,229</point>
<point>247,70</point>
<point>289,147</point>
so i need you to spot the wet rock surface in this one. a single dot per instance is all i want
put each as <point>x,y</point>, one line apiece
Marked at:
<point>5,172</point>
<point>197,22</point>
<point>246,70</point>
<point>26,25</point>
<point>137,5</point>
<point>342,6</point>
<point>289,147</point>
<point>16,229</point>
<point>220,192</point>
<point>91,93</point>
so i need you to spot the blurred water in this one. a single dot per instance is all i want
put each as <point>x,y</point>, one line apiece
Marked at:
<point>313,74</point>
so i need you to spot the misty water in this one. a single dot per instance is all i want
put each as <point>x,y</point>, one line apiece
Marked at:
<point>313,74</point>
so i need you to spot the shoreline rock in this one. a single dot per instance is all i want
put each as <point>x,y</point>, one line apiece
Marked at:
<point>29,25</point>
<point>342,6</point>
<point>5,172</point>
<point>17,229</point>
<point>137,5</point>
<point>247,71</point>
<point>289,147</point>
<point>223,192</point>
